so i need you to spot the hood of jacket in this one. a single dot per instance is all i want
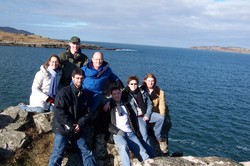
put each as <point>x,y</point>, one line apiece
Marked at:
<point>45,71</point>
<point>91,71</point>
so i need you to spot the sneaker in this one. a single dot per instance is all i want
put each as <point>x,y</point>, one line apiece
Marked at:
<point>163,147</point>
<point>177,154</point>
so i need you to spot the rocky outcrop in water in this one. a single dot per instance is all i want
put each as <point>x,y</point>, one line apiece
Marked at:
<point>224,49</point>
<point>19,128</point>
<point>32,40</point>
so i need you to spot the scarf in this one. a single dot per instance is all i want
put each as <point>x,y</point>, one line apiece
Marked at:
<point>53,83</point>
<point>119,108</point>
<point>155,93</point>
<point>137,95</point>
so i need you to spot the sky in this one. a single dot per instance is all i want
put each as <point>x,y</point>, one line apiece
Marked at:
<point>170,23</point>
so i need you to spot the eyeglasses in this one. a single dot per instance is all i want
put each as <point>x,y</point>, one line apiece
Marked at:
<point>133,84</point>
<point>56,62</point>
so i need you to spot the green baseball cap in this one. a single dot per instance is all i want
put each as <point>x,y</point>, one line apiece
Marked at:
<point>75,39</point>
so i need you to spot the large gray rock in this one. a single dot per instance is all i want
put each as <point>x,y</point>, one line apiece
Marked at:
<point>15,122</point>
<point>43,122</point>
<point>13,118</point>
<point>10,141</point>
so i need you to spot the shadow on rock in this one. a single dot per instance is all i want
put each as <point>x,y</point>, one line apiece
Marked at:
<point>5,120</point>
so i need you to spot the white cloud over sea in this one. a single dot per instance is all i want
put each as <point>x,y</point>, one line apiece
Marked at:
<point>173,23</point>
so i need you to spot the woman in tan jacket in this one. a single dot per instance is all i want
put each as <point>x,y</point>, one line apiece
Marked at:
<point>160,113</point>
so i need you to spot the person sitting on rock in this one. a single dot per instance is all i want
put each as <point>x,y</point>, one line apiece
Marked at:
<point>45,86</point>
<point>142,106</point>
<point>160,116</point>
<point>98,73</point>
<point>123,128</point>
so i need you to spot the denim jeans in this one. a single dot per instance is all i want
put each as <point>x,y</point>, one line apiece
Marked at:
<point>143,127</point>
<point>60,143</point>
<point>158,119</point>
<point>35,109</point>
<point>130,141</point>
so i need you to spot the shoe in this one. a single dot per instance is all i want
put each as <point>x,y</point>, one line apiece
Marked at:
<point>163,147</point>
<point>177,154</point>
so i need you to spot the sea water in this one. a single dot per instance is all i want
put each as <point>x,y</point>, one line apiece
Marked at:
<point>208,92</point>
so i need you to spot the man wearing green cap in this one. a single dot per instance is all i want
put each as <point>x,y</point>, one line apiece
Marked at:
<point>71,59</point>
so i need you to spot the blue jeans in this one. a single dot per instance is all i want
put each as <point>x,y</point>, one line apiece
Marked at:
<point>158,119</point>
<point>35,109</point>
<point>60,143</point>
<point>130,141</point>
<point>143,127</point>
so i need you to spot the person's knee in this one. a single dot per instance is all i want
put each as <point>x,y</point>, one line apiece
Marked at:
<point>123,147</point>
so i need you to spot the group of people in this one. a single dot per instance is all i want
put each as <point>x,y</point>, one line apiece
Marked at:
<point>72,86</point>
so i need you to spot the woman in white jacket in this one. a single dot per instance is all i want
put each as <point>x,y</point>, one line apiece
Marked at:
<point>45,86</point>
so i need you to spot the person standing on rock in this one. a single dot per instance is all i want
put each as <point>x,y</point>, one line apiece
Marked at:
<point>71,59</point>
<point>72,118</point>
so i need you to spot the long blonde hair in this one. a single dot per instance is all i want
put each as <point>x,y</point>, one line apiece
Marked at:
<point>150,75</point>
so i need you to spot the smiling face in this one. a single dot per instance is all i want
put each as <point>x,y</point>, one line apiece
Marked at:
<point>78,80</point>
<point>53,63</point>
<point>150,82</point>
<point>97,60</point>
<point>133,85</point>
<point>74,47</point>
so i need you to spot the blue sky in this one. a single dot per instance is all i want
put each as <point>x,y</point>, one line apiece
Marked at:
<point>172,23</point>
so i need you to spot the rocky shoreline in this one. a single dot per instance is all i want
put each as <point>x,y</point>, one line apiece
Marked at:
<point>224,49</point>
<point>26,139</point>
<point>31,40</point>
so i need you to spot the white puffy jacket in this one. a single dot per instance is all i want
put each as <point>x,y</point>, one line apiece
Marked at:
<point>40,88</point>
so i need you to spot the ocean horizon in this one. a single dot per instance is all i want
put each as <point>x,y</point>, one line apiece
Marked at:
<point>207,92</point>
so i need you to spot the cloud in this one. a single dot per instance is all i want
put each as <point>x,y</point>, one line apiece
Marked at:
<point>179,23</point>
<point>61,24</point>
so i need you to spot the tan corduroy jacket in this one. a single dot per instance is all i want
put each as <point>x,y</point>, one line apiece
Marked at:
<point>158,99</point>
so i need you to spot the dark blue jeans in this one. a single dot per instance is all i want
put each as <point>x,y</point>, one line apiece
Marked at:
<point>60,143</point>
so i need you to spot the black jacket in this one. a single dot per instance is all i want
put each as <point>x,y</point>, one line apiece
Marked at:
<point>110,121</point>
<point>69,62</point>
<point>71,107</point>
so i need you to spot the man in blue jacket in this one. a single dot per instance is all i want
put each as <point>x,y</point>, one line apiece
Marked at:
<point>72,116</point>
<point>97,73</point>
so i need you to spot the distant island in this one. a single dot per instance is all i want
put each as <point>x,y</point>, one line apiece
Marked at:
<point>225,49</point>
<point>13,37</point>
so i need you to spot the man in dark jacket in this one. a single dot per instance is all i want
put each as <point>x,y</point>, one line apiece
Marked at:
<point>71,59</point>
<point>72,116</point>
<point>123,127</point>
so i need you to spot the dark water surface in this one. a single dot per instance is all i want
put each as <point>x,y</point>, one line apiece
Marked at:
<point>208,92</point>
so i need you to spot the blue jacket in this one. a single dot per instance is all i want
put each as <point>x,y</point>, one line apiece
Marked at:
<point>95,82</point>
